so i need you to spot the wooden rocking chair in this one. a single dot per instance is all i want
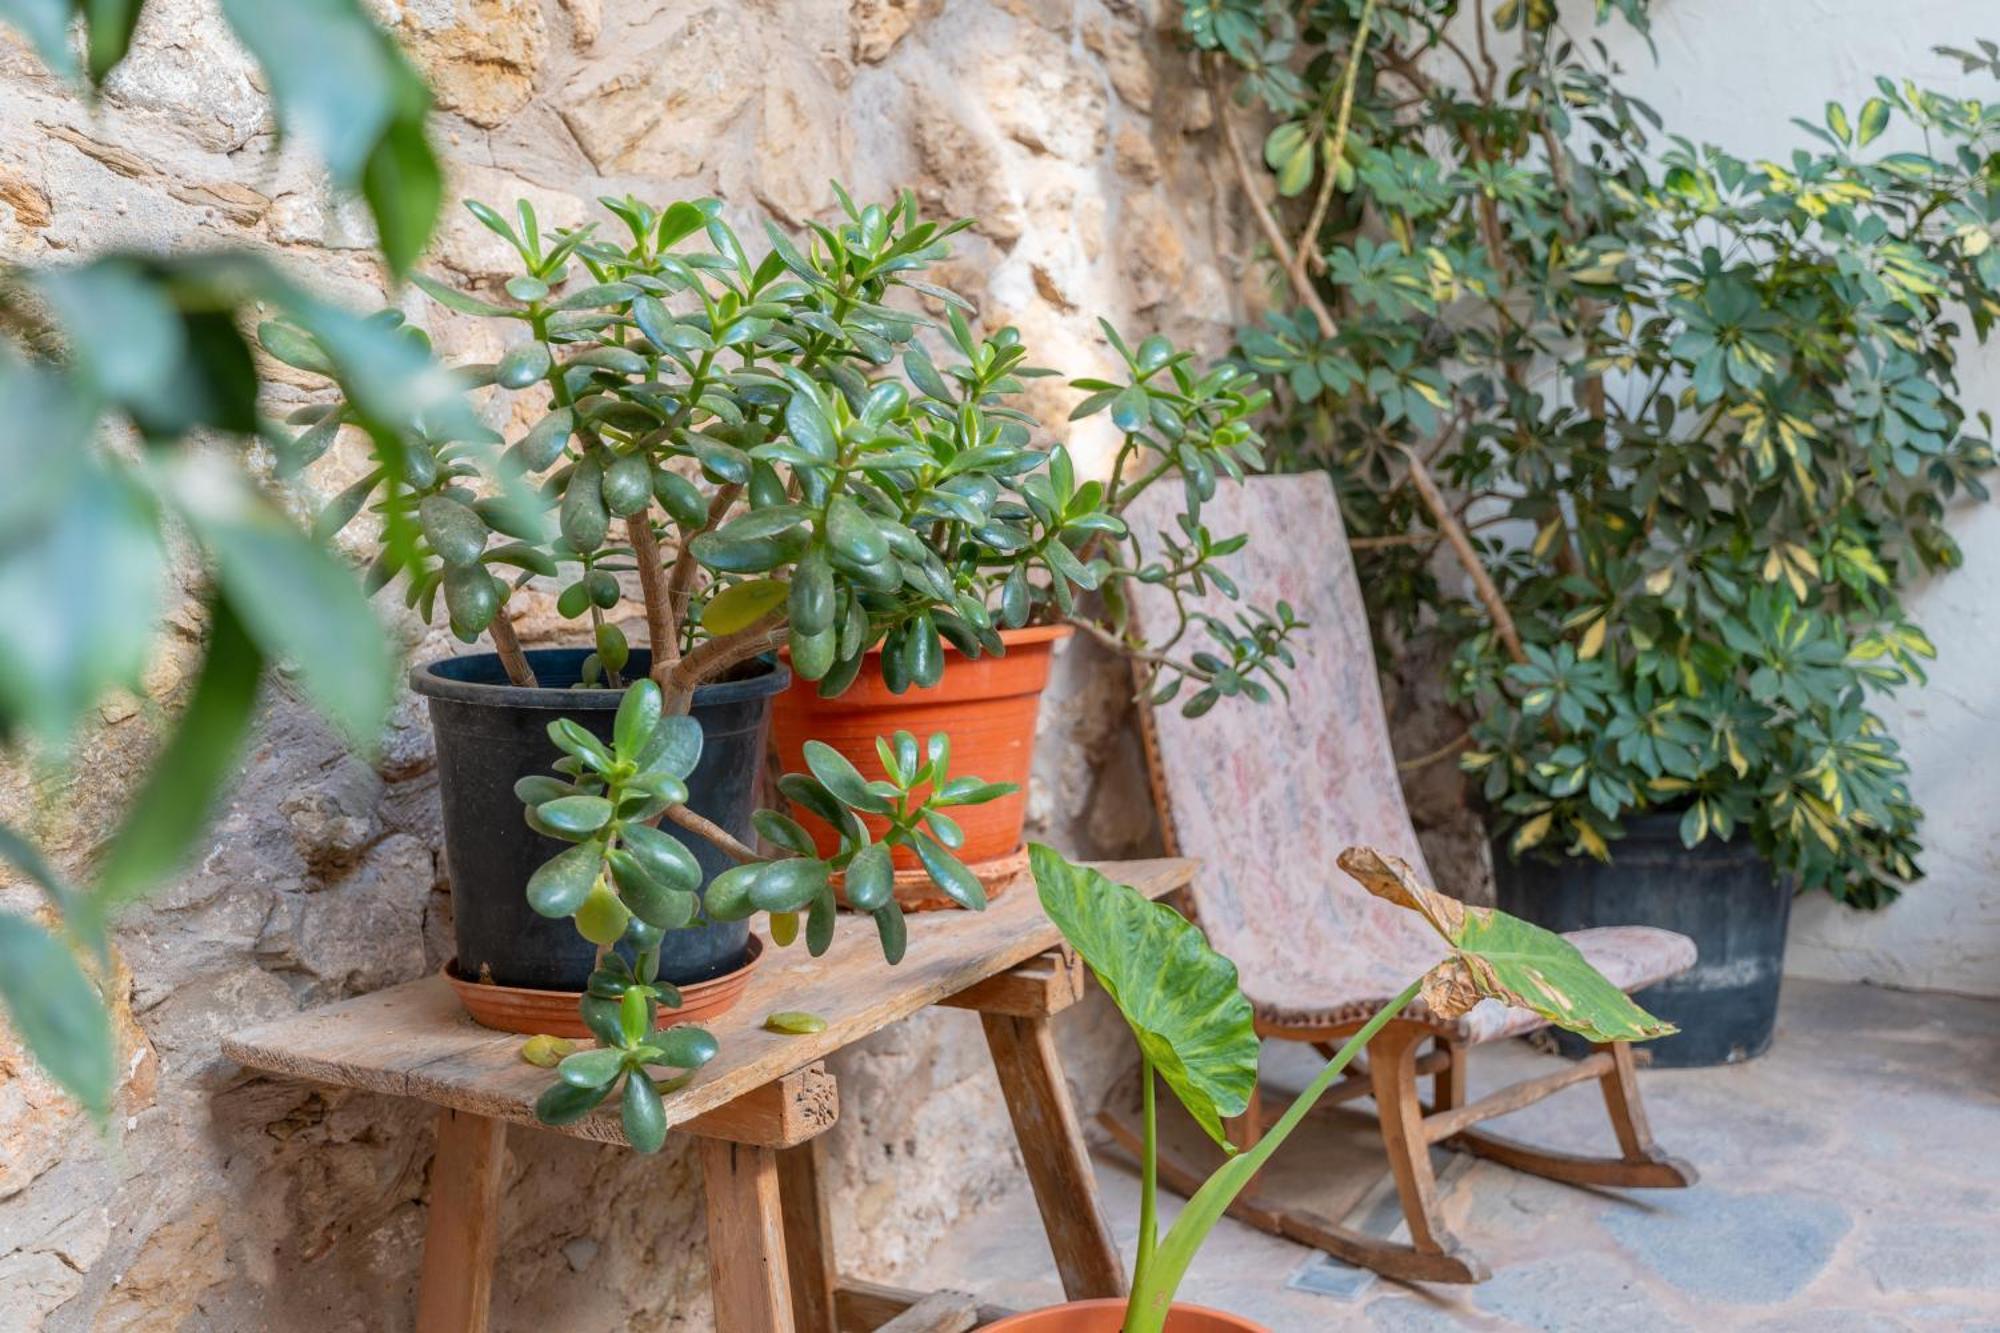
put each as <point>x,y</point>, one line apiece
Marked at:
<point>1266,797</point>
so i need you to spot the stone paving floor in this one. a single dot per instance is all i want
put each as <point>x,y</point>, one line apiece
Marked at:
<point>1850,1184</point>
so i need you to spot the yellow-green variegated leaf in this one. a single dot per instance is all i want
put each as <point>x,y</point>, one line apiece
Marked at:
<point>1501,957</point>
<point>742,605</point>
<point>1874,119</point>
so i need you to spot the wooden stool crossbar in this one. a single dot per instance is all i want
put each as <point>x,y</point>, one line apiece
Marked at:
<point>758,1111</point>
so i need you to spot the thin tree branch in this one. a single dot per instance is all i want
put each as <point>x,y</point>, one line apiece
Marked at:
<point>1461,545</point>
<point>1429,757</point>
<point>1485,54</point>
<point>1267,222</point>
<point>1392,540</point>
<point>1307,252</point>
<point>680,582</point>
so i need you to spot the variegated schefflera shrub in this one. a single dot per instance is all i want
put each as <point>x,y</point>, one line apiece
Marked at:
<point>1700,413</point>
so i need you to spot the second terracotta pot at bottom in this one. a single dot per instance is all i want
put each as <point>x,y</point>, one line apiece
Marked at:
<point>1108,1316</point>
<point>987,705</point>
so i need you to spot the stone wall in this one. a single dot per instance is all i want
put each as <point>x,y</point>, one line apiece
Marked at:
<point>1070,128</point>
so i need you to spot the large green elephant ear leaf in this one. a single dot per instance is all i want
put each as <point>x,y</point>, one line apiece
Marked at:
<point>1179,995</point>
<point>1504,958</point>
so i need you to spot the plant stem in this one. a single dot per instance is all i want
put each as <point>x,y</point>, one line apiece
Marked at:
<point>708,660</point>
<point>1149,1170</point>
<point>1461,545</point>
<point>508,646</point>
<point>1267,222</point>
<point>1307,254</point>
<point>1153,1294</point>
<point>1445,751</point>
<point>724,841</point>
<point>680,580</point>
<point>660,636</point>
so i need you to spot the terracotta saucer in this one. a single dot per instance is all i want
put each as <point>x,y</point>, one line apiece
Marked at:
<point>554,1012</point>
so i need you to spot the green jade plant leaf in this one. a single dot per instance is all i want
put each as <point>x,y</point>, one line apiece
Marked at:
<point>1195,1027</point>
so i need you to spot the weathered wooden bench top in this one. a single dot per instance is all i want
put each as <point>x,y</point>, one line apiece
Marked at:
<point>415,1041</point>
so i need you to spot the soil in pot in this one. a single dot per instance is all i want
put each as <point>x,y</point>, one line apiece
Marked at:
<point>988,706</point>
<point>1722,895</point>
<point>1108,1316</point>
<point>490,734</point>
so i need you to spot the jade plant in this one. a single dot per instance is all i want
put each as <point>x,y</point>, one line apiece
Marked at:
<point>1196,1031</point>
<point>778,456</point>
<point>625,881</point>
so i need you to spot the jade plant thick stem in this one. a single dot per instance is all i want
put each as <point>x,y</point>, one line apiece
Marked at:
<point>1196,1032</point>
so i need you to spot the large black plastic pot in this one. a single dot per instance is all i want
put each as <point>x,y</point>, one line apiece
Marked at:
<point>490,734</point>
<point>1722,895</point>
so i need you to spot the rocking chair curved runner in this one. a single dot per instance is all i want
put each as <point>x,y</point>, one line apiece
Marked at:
<point>1266,798</point>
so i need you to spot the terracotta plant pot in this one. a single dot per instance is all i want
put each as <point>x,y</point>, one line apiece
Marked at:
<point>554,1013</point>
<point>1107,1316</point>
<point>988,706</point>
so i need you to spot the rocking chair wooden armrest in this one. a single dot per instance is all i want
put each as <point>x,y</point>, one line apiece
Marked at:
<point>1318,955</point>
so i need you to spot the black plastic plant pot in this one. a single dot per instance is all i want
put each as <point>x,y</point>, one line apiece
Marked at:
<point>1722,895</point>
<point>490,734</point>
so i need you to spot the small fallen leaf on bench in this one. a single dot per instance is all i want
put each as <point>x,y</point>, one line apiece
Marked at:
<point>793,1023</point>
<point>546,1052</point>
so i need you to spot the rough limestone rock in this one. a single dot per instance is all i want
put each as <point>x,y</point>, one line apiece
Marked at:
<point>223,1203</point>
<point>480,56</point>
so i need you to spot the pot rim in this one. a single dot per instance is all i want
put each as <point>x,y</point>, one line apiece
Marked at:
<point>1025,1319</point>
<point>425,680</point>
<point>1024,637</point>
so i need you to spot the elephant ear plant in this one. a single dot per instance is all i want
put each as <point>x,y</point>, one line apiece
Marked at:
<point>1196,1032</point>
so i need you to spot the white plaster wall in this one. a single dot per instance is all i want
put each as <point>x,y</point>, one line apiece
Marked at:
<point>1735,73</point>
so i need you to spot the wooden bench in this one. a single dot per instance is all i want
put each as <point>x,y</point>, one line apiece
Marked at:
<point>757,1109</point>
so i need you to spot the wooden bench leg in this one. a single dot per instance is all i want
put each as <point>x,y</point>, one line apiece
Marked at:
<point>808,1236</point>
<point>746,1238</point>
<point>1045,1125</point>
<point>462,1234</point>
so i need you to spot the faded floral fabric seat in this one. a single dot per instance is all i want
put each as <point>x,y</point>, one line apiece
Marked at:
<point>1267,796</point>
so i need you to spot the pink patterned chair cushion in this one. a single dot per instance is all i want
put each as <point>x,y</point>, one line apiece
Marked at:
<point>1267,795</point>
